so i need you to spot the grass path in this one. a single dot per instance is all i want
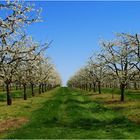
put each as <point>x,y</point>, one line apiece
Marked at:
<point>72,114</point>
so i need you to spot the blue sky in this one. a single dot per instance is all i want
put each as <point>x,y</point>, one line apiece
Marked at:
<point>77,27</point>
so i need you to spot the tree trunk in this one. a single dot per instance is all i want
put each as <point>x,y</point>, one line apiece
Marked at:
<point>32,88</point>
<point>39,88</point>
<point>42,88</point>
<point>135,86</point>
<point>94,87</point>
<point>9,99</point>
<point>99,87</point>
<point>122,92</point>
<point>25,94</point>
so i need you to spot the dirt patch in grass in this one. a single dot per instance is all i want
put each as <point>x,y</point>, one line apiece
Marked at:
<point>135,118</point>
<point>112,101</point>
<point>12,123</point>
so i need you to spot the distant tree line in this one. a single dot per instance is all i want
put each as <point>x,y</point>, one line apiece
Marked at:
<point>117,65</point>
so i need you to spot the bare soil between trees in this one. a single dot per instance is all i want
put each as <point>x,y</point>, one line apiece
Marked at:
<point>7,124</point>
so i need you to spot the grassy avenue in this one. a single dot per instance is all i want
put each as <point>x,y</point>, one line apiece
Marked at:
<point>71,113</point>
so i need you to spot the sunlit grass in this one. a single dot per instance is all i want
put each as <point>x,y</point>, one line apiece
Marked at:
<point>22,108</point>
<point>66,113</point>
<point>130,108</point>
<point>17,93</point>
<point>77,114</point>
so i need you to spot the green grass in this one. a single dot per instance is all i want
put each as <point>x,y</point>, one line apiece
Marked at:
<point>66,113</point>
<point>131,94</point>
<point>17,93</point>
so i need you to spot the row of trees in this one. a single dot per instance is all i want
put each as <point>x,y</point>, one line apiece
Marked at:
<point>116,66</point>
<point>22,60</point>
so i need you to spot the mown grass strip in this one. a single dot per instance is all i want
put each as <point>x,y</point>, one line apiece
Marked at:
<point>72,114</point>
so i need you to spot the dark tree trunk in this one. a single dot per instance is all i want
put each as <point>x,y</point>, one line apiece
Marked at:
<point>122,92</point>
<point>32,88</point>
<point>42,88</point>
<point>99,87</point>
<point>25,94</point>
<point>135,86</point>
<point>94,87</point>
<point>9,99</point>
<point>39,88</point>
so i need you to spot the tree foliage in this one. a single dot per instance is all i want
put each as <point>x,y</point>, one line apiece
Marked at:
<point>21,58</point>
<point>117,65</point>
